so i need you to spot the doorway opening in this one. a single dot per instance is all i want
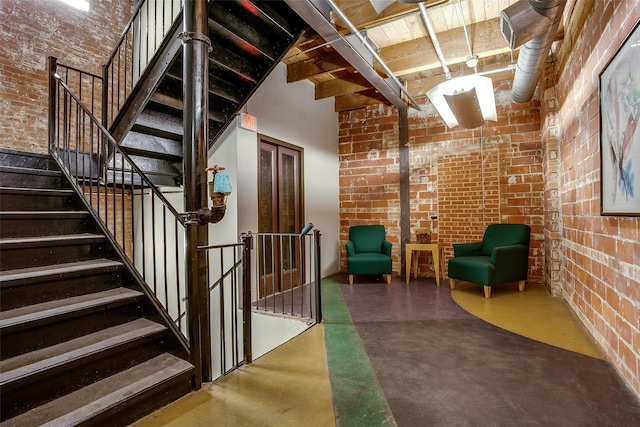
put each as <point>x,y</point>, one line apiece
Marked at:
<point>279,211</point>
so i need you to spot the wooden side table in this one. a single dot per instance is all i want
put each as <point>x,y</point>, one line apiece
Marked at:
<point>437,252</point>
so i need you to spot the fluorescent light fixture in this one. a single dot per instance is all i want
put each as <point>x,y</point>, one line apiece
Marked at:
<point>466,101</point>
<point>82,5</point>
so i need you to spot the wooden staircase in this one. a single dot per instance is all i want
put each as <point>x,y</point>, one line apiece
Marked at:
<point>81,343</point>
<point>248,38</point>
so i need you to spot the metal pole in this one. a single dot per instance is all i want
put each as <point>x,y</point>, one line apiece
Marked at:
<point>318,273</point>
<point>53,98</point>
<point>246,298</point>
<point>405,194</point>
<point>434,39</point>
<point>196,136</point>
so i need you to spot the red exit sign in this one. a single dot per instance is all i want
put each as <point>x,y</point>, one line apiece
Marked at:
<point>248,121</point>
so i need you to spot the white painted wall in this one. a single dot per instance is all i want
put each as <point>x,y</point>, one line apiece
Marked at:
<point>287,112</point>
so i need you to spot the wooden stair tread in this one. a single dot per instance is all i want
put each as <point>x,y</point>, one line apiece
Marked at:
<point>52,359</point>
<point>52,240</point>
<point>134,151</point>
<point>82,405</point>
<point>49,192</point>
<point>71,269</point>
<point>46,311</point>
<point>30,171</point>
<point>44,214</point>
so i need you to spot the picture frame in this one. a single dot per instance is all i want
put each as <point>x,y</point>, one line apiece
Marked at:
<point>620,131</point>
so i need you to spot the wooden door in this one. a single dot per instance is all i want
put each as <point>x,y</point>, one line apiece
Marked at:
<point>279,211</point>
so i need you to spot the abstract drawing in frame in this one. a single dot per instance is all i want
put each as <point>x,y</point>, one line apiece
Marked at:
<point>620,131</point>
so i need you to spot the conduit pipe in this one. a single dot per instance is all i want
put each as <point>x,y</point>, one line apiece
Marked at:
<point>533,53</point>
<point>434,39</point>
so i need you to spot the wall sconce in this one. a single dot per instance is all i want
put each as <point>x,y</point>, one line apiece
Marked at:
<point>219,189</point>
<point>465,101</point>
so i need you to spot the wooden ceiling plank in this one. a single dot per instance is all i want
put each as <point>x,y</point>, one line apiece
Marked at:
<point>417,55</point>
<point>477,11</point>
<point>416,26</point>
<point>363,15</point>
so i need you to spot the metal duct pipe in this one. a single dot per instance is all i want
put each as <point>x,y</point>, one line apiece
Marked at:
<point>533,53</point>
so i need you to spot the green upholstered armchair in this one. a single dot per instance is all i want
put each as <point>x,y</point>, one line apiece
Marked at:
<point>368,252</point>
<point>501,257</point>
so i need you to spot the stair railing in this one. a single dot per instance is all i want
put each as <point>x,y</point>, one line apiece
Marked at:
<point>142,224</point>
<point>141,39</point>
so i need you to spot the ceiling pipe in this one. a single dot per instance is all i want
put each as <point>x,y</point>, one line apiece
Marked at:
<point>472,60</point>
<point>434,39</point>
<point>534,22</point>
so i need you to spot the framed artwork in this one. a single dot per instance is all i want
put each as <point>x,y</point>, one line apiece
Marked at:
<point>620,131</point>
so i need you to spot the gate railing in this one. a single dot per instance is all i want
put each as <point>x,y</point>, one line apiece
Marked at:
<point>288,274</point>
<point>228,293</point>
<point>233,273</point>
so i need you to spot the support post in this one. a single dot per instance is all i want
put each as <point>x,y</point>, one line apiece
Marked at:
<point>246,298</point>
<point>318,273</point>
<point>53,99</point>
<point>405,201</point>
<point>196,45</point>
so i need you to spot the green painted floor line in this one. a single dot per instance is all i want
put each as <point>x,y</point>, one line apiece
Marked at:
<point>357,396</point>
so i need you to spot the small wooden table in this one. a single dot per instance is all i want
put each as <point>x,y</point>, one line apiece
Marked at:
<point>437,252</point>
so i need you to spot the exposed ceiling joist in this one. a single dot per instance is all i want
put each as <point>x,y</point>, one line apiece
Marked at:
<point>331,62</point>
<point>401,41</point>
<point>349,50</point>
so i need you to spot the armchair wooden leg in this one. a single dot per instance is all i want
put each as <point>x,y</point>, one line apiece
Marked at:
<point>452,283</point>
<point>521,285</point>
<point>487,291</point>
<point>388,279</point>
<point>351,279</point>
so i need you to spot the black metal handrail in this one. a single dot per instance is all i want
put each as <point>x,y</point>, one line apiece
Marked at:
<point>132,211</point>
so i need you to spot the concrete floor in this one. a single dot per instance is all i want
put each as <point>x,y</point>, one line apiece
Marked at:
<point>421,355</point>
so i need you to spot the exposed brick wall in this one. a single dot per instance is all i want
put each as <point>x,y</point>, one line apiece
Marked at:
<point>601,278</point>
<point>369,174</point>
<point>30,31</point>
<point>552,246</point>
<point>450,170</point>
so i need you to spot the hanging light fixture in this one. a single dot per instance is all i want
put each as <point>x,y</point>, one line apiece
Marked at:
<point>465,101</point>
<point>468,100</point>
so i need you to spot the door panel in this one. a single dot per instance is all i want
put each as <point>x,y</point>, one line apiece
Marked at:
<point>279,194</point>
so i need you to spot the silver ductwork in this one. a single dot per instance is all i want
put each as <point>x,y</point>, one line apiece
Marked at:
<point>534,23</point>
